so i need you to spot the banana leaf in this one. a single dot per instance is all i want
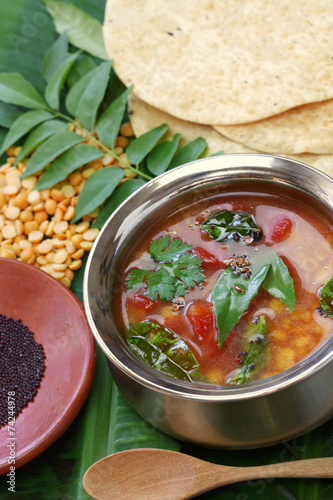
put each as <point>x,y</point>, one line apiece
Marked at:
<point>106,422</point>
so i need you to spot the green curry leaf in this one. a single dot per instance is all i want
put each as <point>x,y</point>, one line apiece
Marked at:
<point>224,225</point>
<point>326,298</point>
<point>55,56</point>
<point>109,123</point>
<point>14,89</point>
<point>190,152</point>
<point>57,80</point>
<point>160,157</point>
<point>142,145</point>
<point>257,354</point>
<point>164,350</point>
<point>23,124</point>
<point>234,291</point>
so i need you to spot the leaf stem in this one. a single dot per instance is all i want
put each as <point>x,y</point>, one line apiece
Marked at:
<point>100,144</point>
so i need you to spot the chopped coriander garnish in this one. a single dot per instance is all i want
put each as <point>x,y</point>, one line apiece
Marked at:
<point>173,269</point>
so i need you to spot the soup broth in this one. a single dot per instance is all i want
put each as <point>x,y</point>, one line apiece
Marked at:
<point>288,230</point>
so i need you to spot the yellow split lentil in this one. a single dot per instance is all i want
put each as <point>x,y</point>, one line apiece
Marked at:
<point>35,225</point>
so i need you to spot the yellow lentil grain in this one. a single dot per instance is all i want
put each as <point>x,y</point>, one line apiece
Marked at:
<point>82,227</point>
<point>50,227</point>
<point>75,178</point>
<point>45,246</point>
<point>60,256</point>
<point>49,257</point>
<point>12,213</point>
<point>69,274</point>
<point>41,216</point>
<point>57,243</point>
<point>86,245</point>
<point>16,249</point>
<point>76,239</point>
<point>44,226</point>
<point>68,190</point>
<point>3,200</point>
<point>126,130</point>
<point>41,260</point>
<point>18,224</point>
<point>58,215</point>
<point>29,182</point>
<point>2,180</point>
<point>69,214</point>
<point>24,244</point>
<point>34,197</point>
<point>26,216</point>
<point>8,232</point>
<point>27,254</point>
<point>58,275</point>
<point>90,234</point>
<point>95,164</point>
<point>11,190</point>
<point>88,172</point>
<point>66,281</point>
<point>70,247</point>
<point>35,236</point>
<point>75,265</point>
<point>21,200</point>
<point>44,194</point>
<point>78,254</point>
<point>122,142</point>
<point>57,195</point>
<point>30,226</point>
<point>119,151</point>
<point>60,227</point>
<point>59,267</point>
<point>7,253</point>
<point>50,206</point>
<point>108,160</point>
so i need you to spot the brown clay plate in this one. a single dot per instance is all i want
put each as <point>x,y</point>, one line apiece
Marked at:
<point>57,319</point>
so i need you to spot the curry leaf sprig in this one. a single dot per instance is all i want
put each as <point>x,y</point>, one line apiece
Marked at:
<point>78,118</point>
<point>170,271</point>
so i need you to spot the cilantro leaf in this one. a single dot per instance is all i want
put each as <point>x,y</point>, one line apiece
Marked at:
<point>173,269</point>
<point>165,249</point>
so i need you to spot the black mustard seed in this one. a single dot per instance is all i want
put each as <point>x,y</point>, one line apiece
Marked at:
<point>22,366</point>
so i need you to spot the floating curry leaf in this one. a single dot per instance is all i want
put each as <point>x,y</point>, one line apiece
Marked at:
<point>69,161</point>
<point>234,291</point>
<point>23,125</point>
<point>142,145</point>
<point>8,114</point>
<point>120,194</point>
<point>326,298</point>
<point>84,31</point>
<point>224,225</point>
<point>96,189</point>
<point>257,349</point>
<point>109,123</point>
<point>14,89</point>
<point>171,270</point>
<point>164,350</point>
<point>54,86</point>
<point>190,152</point>
<point>39,135</point>
<point>161,156</point>
<point>51,149</point>
<point>93,95</point>
<point>55,56</point>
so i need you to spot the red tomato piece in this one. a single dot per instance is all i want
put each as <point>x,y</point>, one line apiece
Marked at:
<point>281,230</point>
<point>208,259</point>
<point>143,302</point>
<point>201,317</point>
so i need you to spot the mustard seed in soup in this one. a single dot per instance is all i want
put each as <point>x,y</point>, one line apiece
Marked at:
<point>227,290</point>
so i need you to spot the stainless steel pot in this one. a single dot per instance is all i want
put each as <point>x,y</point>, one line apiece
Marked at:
<point>258,414</point>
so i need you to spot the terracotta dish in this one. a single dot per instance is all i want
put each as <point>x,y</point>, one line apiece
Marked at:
<point>57,319</point>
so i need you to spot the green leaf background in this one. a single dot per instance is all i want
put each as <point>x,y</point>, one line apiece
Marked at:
<point>107,423</point>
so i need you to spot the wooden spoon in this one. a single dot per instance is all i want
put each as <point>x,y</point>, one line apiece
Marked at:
<point>153,474</point>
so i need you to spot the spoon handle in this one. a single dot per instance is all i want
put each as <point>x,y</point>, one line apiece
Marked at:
<point>309,468</point>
